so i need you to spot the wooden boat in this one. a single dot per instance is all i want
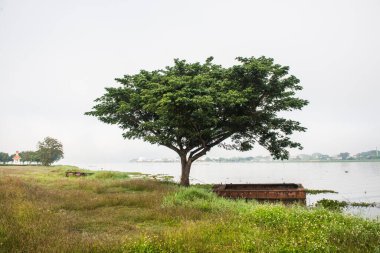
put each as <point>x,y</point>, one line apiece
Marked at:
<point>286,193</point>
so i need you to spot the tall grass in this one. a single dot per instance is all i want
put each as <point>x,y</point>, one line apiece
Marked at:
<point>111,175</point>
<point>236,226</point>
<point>205,200</point>
<point>43,211</point>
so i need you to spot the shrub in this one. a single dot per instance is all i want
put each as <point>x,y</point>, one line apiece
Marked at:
<point>205,200</point>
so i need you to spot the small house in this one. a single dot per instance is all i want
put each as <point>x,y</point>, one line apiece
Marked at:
<point>16,158</point>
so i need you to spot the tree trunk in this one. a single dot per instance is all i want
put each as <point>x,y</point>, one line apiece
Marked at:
<point>186,165</point>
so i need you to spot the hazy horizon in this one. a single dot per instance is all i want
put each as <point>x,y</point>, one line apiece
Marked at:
<point>56,57</point>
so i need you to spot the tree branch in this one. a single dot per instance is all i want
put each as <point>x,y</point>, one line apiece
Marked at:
<point>172,148</point>
<point>179,143</point>
<point>195,151</point>
<point>203,150</point>
<point>227,135</point>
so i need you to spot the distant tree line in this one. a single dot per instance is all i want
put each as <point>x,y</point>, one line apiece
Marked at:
<point>368,155</point>
<point>27,157</point>
<point>373,154</point>
<point>48,151</point>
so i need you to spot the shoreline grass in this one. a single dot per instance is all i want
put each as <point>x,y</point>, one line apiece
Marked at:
<point>41,210</point>
<point>316,191</point>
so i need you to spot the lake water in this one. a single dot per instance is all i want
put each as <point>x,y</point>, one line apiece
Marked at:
<point>354,181</point>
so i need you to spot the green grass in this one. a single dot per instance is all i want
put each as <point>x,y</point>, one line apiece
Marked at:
<point>206,201</point>
<point>111,175</point>
<point>337,205</point>
<point>41,210</point>
<point>314,191</point>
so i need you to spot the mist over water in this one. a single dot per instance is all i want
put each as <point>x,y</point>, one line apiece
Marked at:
<point>354,181</point>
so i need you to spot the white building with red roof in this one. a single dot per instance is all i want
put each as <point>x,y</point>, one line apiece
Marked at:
<point>16,158</point>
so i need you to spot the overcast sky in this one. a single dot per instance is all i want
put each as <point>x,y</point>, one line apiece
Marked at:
<point>56,57</point>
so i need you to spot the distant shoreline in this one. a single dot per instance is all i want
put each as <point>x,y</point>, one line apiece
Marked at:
<point>236,162</point>
<point>274,161</point>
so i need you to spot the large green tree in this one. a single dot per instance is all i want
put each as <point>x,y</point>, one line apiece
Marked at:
<point>49,151</point>
<point>193,107</point>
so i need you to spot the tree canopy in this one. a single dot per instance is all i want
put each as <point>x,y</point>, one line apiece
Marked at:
<point>30,156</point>
<point>192,107</point>
<point>49,151</point>
<point>5,157</point>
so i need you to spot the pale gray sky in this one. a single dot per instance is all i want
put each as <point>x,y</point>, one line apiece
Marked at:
<point>57,56</point>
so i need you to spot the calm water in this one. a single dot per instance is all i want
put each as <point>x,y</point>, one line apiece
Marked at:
<point>354,181</point>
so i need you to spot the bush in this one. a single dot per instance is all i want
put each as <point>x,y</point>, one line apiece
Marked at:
<point>205,200</point>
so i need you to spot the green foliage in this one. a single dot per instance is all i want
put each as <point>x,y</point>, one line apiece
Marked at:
<point>49,151</point>
<point>363,204</point>
<point>336,205</point>
<point>30,156</point>
<point>205,200</point>
<point>259,228</point>
<point>5,157</point>
<point>111,175</point>
<point>43,211</point>
<point>331,204</point>
<point>314,192</point>
<point>192,107</point>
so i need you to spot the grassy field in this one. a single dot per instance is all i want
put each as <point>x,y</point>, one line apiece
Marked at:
<point>43,211</point>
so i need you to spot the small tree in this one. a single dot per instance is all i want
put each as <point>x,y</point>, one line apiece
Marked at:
<point>49,151</point>
<point>193,107</point>
<point>35,157</point>
<point>5,157</point>
<point>24,156</point>
<point>27,156</point>
<point>344,155</point>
